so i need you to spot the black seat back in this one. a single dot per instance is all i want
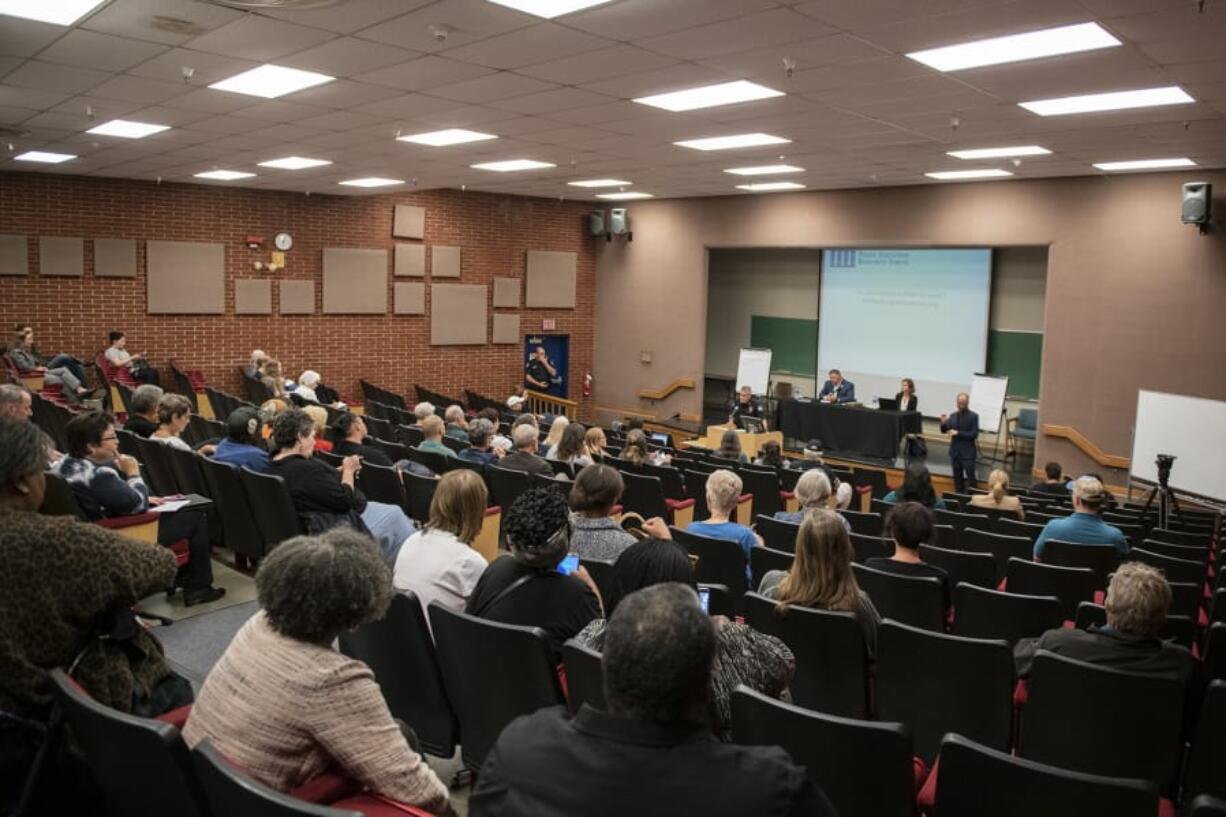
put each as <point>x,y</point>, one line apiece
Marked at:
<point>186,467</point>
<point>229,791</point>
<point>1176,570</point>
<point>671,480</point>
<point>913,600</point>
<point>867,524</point>
<point>156,467</point>
<point>1007,526</point>
<point>419,493</point>
<point>239,529</point>
<point>1102,559</point>
<point>1069,584</point>
<point>507,484</point>
<point>409,436</point>
<point>764,485</point>
<point>696,489</point>
<point>869,547</point>
<point>436,462</point>
<point>1207,761</point>
<point>720,561</point>
<point>1180,629</point>
<point>59,498</point>
<point>1002,547</point>
<point>776,534</point>
<point>381,483</point>
<point>584,676</point>
<point>762,560</point>
<point>644,495</point>
<point>272,506</point>
<point>962,566</point>
<point>983,613</point>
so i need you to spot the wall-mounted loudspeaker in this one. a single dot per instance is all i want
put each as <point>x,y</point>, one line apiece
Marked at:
<point>619,222</point>
<point>1197,202</point>
<point>596,223</point>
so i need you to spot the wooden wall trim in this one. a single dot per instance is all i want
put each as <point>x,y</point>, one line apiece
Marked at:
<point>661,394</point>
<point>1086,446</point>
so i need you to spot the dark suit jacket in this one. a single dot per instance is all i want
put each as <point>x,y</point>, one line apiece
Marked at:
<point>845,392</point>
<point>966,423</point>
<point>521,461</point>
<point>911,405</point>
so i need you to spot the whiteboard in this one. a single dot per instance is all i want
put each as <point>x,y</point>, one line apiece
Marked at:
<point>753,369</point>
<point>988,400</point>
<point>1191,428</point>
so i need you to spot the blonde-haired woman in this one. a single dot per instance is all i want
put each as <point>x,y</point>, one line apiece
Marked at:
<point>998,495</point>
<point>319,416</point>
<point>438,562</point>
<point>556,430</point>
<point>821,576</point>
<point>595,442</point>
<point>273,380</point>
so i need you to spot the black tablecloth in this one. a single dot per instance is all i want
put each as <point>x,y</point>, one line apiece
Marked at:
<point>870,432</point>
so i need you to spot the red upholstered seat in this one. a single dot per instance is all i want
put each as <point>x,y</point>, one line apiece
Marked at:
<point>372,805</point>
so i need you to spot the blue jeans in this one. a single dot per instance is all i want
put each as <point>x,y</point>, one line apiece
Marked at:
<point>70,363</point>
<point>390,527</point>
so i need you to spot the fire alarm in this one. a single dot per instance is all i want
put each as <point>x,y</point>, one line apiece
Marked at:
<point>254,242</point>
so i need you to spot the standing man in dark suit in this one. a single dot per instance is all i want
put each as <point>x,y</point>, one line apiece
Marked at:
<point>837,390</point>
<point>963,429</point>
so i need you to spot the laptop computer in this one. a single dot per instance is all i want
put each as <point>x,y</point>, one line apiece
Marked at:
<point>887,403</point>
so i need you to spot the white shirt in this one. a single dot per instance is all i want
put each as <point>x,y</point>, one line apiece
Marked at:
<point>117,356</point>
<point>306,393</point>
<point>437,566</point>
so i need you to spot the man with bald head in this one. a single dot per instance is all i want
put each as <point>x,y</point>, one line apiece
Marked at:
<point>963,429</point>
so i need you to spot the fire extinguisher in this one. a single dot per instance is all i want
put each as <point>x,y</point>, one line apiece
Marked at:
<point>587,384</point>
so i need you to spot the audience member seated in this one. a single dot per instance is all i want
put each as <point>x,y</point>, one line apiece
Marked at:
<point>438,562</point>
<point>595,533</point>
<point>270,410</point>
<point>68,583</point>
<point>998,496</point>
<point>594,443</point>
<point>771,456</point>
<point>821,576</point>
<point>273,379</point>
<point>527,587</point>
<point>812,458</point>
<point>118,356</point>
<point>571,448</point>
<point>730,447</point>
<point>1137,603</point>
<point>326,498</point>
<point>496,439</point>
<point>143,410</point>
<point>108,484</point>
<point>423,410</point>
<point>910,525</point>
<point>432,430</point>
<point>480,438</point>
<point>457,424</point>
<point>23,357</point>
<point>516,401</point>
<point>319,416</point>
<point>812,493</point>
<point>56,361</point>
<point>15,403</point>
<point>723,493</point>
<point>352,430</point>
<point>556,428</point>
<point>285,706</point>
<point>256,364</point>
<point>652,751</point>
<point>635,451</point>
<point>524,458</point>
<point>174,415</point>
<point>742,654</point>
<point>1083,527</point>
<point>307,381</point>
<point>242,446</point>
<point>1055,484</point>
<point>916,487</point>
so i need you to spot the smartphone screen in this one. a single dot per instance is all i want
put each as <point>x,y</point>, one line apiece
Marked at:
<point>569,565</point>
<point>704,599</point>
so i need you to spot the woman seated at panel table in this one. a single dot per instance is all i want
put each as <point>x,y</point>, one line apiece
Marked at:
<point>906,399</point>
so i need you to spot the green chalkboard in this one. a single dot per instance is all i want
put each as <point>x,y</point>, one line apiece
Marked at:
<point>792,341</point>
<point>1018,355</point>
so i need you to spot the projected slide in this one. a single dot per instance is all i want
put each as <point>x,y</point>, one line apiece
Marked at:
<point>889,314</point>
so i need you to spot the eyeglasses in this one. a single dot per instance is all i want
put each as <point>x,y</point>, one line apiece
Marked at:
<point>111,437</point>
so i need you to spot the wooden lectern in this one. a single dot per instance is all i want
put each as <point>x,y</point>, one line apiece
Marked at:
<point>751,443</point>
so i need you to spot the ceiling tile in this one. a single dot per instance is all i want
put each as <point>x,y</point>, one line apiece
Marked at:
<point>527,46</point>
<point>25,38</point>
<point>767,64</point>
<point>206,99</point>
<point>774,27</point>
<point>207,68</point>
<point>346,56</point>
<point>278,110</point>
<point>639,19</point>
<point>408,106</point>
<point>975,23</point>
<point>673,78</point>
<point>596,65</point>
<point>855,14</point>
<point>258,38</point>
<point>463,21</point>
<point>425,73</point>
<point>342,120</point>
<point>350,16</point>
<point>138,89</point>
<point>14,97</point>
<point>45,76</point>
<point>544,102</point>
<point>502,85</point>
<point>462,117</point>
<point>104,51</point>
<point>344,93</point>
<point>171,22</point>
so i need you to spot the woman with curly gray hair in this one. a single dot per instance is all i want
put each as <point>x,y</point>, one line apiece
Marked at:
<point>284,705</point>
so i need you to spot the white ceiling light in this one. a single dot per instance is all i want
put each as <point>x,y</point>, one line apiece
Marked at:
<point>999,153</point>
<point>511,165</point>
<point>44,156</point>
<point>600,183</point>
<point>740,140</point>
<point>443,138</point>
<point>767,187</point>
<point>371,181</point>
<point>1115,101</point>
<point>710,96</point>
<point>764,170</point>
<point>59,12</point>
<point>955,175</point>
<point>271,81</point>
<point>127,129</point>
<point>295,163</point>
<point>629,195</point>
<point>1145,164</point>
<point>1016,47</point>
<point>223,175</point>
<point>549,8</point>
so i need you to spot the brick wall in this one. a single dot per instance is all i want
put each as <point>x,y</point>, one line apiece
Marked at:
<point>495,231</point>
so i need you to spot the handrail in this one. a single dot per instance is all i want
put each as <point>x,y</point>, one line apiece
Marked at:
<point>624,412</point>
<point>540,403</point>
<point>1086,446</point>
<point>661,394</point>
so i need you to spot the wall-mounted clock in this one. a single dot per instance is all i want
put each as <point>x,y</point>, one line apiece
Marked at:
<point>283,241</point>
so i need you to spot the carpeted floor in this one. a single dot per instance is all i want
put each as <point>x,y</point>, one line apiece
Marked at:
<point>240,589</point>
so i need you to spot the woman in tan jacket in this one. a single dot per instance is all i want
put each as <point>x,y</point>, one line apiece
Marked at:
<point>998,495</point>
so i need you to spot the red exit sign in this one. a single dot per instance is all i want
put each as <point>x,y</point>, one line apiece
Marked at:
<point>549,323</point>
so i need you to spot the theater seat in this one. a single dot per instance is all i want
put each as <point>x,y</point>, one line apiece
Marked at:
<point>229,791</point>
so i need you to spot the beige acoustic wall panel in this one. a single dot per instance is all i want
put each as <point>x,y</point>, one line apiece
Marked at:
<point>506,328</point>
<point>551,279</point>
<point>506,292</point>
<point>410,298</point>
<point>114,258</point>
<point>185,278</point>
<point>61,256</point>
<point>297,297</point>
<point>444,262</point>
<point>252,296</point>
<point>409,221</point>
<point>458,314</point>
<point>355,281</point>
<point>411,260</point>
<point>14,255</point>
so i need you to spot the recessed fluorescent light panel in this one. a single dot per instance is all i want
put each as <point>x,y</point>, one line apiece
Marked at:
<point>764,170</point>
<point>767,187</point>
<point>44,157</point>
<point>59,12</point>
<point>224,175</point>
<point>127,130</point>
<point>443,138</point>
<point>999,153</point>
<point>294,163</point>
<point>1145,164</point>
<point>600,183</point>
<point>271,81</point>
<point>1115,101</point>
<point>740,140</point>
<point>1048,42</point>
<point>371,181</point>
<point>955,175</point>
<point>512,165</point>
<point>710,96</point>
<point>549,8</point>
<point>629,195</point>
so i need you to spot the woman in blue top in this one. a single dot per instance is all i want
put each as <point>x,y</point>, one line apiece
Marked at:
<point>723,492</point>
<point>916,487</point>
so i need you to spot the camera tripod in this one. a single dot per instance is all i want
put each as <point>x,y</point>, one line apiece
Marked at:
<point>1166,497</point>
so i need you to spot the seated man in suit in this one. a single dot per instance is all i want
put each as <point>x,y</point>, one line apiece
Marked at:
<point>837,390</point>
<point>526,439</point>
